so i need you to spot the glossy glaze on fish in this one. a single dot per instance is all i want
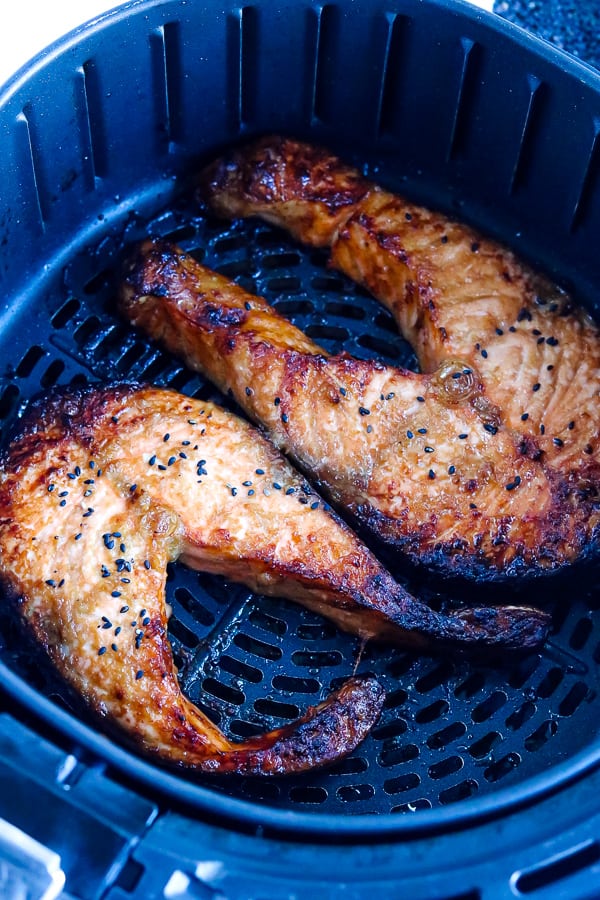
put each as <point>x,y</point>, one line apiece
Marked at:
<point>83,554</point>
<point>424,461</point>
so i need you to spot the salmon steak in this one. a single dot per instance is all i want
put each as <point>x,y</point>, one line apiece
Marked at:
<point>504,342</point>
<point>429,464</point>
<point>106,485</point>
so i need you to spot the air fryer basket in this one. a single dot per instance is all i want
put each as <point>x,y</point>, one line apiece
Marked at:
<point>100,141</point>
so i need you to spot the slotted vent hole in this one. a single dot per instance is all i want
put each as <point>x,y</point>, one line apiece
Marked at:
<point>449,729</point>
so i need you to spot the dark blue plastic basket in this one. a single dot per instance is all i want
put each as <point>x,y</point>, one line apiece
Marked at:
<point>100,141</point>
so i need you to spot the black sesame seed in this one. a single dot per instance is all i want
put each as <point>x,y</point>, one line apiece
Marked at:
<point>491,429</point>
<point>557,442</point>
<point>422,430</point>
<point>552,341</point>
<point>124,609</point>
<point>71,475</point>
<point>289,491</point>
<point>549,368</point>
<point>276,401</point>
<point>512,328</point>
<point>166,437</point>
<point>114,647</point>
<point>536,331</point>
<point>51,487</point>
<point>499,332</point>
<point>472,506</point>
<point>524,417</point>
<point>101,651</point>
<point>444,239</point>
<point>540,340</point>
<point>463,436</point>
<point>143,612</point>
<point>451,470</point>
<point>89,512</point>
<point>139,674</point>
<point>536,387</point>
<point>171,460</point>
<point>51,582</point>
<point>284,418</point>
<point>146,620</point>
<point>115,593</point>
<point>314,505</point>
<point>251,492</point>
<point>343,391</point>
<point>364,411</point>
<point>484,353</point>
<point>475,246</point>
<point>246,483</point>
<point>249,392</point>
<point>63,503</point>
<point>276,485</point>
<point>234,492</point>
<point>408,217</point>
<point>247,305</point>
<point>369,429</point>
<point>118,630</point>
<point>571,425</point>
<point>390,396</point>
<point>122,548</point>
<point>78,536</point>
<point>431,474</point>
<point>409,435</point>
<point>260,471</point>
<point>125,580</point>
<point>147,564</point>
<point>542,429</point>
<point>63,494</point>
<point>428,449</point>
<point>161,468</point>
<point>588,449</point>
<point>420,399</point>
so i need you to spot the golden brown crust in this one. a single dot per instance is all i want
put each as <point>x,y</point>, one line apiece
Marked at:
<point>83,557</point>
<point>422,460</point>
<point>310,190</point>
<point>459,297</point>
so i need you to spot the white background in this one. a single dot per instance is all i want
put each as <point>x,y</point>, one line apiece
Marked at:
<point>27,26</point>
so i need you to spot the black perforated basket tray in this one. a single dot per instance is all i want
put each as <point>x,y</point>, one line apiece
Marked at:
<point>100,141</point>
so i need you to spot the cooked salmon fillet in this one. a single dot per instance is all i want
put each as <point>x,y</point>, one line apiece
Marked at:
<point>84,553</point>
<point>105,485</point>
<point>425,462</point>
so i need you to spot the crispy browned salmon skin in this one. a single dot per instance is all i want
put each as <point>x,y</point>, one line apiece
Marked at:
<point>84,555</point>
<point>426,462</point>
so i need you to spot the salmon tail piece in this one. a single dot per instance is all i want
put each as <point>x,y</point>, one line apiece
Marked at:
<point>325,734</point>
